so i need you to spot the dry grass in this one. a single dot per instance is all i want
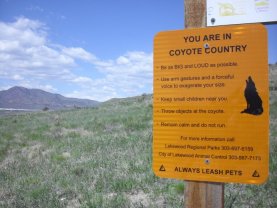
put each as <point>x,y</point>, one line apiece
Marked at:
<point>99,157</point>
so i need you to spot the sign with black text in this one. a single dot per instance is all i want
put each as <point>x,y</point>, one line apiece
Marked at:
<point>211,98</point>
<point>226,12</point>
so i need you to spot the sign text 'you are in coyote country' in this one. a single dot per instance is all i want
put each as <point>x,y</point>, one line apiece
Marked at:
<point>211,115</point>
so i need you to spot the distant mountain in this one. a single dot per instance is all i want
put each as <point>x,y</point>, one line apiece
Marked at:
<point>23,98</point>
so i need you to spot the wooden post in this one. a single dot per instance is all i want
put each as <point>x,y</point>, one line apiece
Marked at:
<point>204,195</point>
<point>201,194</point>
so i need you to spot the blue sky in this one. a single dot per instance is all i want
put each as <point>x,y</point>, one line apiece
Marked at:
<point>96,49</point>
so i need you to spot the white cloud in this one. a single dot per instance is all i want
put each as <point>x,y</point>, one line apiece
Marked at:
<point>47,87</point>
<point>79,53</point>
<point>25,51</point>
<point>17,77</point>
<point>122,60</point>
<point>27,32</point>
<point>128,75</point>
<point>30,58</point>
<point>83,81</point>
<point>130,63</point>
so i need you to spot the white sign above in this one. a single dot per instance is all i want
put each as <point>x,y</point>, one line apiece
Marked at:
<point>226,12</point>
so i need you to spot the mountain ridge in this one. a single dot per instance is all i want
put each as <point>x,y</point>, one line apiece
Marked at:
<point>18,97</point>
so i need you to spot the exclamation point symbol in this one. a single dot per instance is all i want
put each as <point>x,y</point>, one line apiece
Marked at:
<point>162,168</point>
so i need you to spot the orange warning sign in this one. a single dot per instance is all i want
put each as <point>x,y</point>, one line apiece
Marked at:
<point>211,98</point>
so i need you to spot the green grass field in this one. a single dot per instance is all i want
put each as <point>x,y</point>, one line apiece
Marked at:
<point>100,157</point>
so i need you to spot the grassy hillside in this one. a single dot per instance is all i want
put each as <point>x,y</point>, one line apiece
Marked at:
<point>99,157</point>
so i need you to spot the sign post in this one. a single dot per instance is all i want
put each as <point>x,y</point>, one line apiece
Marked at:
<point>200,194</point>
<point>210,112</point>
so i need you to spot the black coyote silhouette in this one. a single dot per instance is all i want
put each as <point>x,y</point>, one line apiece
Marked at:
<point>253,100</point>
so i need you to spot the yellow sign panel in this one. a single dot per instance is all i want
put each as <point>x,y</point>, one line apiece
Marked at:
<point>211,114</point>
